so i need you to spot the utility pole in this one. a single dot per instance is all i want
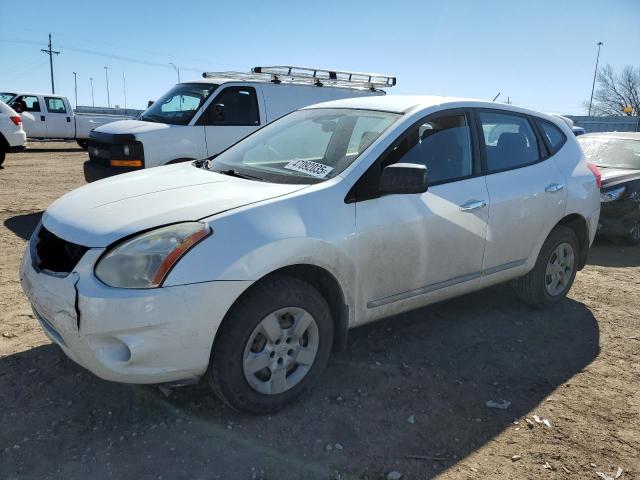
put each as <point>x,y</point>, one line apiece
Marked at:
<point>124,86</point>
<point>106,74</point>
<point>75,86</point>
<point>51,53</point>
<point>176,69</point>
<point>595,72</point>
<point>93,102</point>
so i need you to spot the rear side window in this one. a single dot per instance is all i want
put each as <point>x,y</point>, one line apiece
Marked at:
<point>234,106</point>
<point>554,136</point>
<point>509,141</point>
<point>55,105</point>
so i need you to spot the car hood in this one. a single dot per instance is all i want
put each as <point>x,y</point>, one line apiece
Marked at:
<point>133,127</point>
<point>614,176</point>
<point>102,212</point>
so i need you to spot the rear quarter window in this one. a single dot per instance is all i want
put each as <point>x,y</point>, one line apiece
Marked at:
<point>554,137</point>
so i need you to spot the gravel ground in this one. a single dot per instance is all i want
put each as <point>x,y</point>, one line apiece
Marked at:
<point>409,395</point>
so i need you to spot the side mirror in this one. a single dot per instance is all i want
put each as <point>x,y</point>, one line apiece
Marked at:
<point>403,178</point>
<point>219,113</point>
<point>150,103</point>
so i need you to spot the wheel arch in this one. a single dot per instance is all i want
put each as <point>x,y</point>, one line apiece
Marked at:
<point>328,286</point>
<point>580,227</point>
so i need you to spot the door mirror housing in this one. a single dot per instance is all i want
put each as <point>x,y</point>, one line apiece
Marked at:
<point>403,178</point>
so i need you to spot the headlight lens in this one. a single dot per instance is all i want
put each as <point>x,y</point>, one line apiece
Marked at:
<point>611,195</point>
<point>144,261</point>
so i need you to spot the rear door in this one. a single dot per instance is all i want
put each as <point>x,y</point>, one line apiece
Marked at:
<point>233,114</point>
<point>33,115</point>
<point>58,118</point>
<point>527,190</point>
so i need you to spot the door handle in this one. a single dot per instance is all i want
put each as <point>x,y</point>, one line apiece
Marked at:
<point>68,119</point>
<point>472,205</point>
<point>554,187</point>
<point>42,118</point>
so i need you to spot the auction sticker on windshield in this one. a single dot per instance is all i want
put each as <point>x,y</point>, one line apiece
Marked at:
<point>315,169</point>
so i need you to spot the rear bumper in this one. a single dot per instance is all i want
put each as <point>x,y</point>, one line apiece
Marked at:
<point>93,172</point>
<point>16,139</point>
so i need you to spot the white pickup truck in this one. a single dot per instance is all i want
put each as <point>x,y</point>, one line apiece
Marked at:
<point>47,115</point>
<point>199,119</point>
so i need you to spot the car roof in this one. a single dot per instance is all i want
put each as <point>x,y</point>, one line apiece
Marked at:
<point>616,135</point>
<point>404,103</point>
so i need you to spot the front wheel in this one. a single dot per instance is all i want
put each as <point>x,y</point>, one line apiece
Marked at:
<point>272,346</point>
<point>633,237</point>
<point>554,271</point>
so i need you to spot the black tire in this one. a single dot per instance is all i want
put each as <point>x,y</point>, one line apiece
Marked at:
<point>83,144</point>
<point>632,238</point>
<point>2,156</point>
<point>226,374</point>
<point>531,288</point>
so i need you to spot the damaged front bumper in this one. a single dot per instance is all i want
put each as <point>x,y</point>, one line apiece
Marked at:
<point>129,335</point>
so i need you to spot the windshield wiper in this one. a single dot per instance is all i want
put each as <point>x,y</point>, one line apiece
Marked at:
<point>235,173</point>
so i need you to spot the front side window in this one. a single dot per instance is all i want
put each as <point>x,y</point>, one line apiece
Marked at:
<point>180,104</point>
<point>26,103</point>
<point>55,105</point>
<point>442,144</point>
<point>509,141</point>
<point>306,146</point>
<point>233,106</point>
<point>553,134</point>
<point>611,152</point>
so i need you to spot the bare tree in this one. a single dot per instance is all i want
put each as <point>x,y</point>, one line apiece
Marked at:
<point>615,91</point>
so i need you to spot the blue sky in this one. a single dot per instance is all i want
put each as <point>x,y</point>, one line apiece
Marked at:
<point>540,54</point>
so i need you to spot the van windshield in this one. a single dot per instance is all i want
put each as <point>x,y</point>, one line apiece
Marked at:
<point>306,146</point>
<point>180,104</point>
<point>6,96</point>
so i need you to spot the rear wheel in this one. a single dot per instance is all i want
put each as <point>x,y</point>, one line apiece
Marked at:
<point>272,346</point>
<point>554,271</point>
<point>83,144</point>
<point>633,237</point>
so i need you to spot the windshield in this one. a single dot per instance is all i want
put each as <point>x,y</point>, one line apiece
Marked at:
<point>306,146</point>
<point>180,104</point>
<point>611,152</point>
<point>6,97</point>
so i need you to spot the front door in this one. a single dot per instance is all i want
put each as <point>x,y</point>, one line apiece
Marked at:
<point>527,191</point>
<point>412,247</point>
<point>232,115</point>
<point>59,121</point>
<point>33,115</point>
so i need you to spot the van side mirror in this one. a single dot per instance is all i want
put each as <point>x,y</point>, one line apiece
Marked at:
<point>219,113</point>
<point>150,103</point>
<point>403,178</point>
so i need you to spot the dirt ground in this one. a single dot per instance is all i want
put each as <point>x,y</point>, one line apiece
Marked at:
<point>409,394</point>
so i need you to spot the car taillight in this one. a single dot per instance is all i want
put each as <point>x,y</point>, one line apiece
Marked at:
<point>596,173</point>
<point>16,120</point>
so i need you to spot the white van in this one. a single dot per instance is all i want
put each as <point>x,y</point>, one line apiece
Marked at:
<point>199,119</point>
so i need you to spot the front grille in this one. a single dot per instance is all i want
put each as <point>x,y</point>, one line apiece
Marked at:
<point>55,254</point>
<point>99,153</point>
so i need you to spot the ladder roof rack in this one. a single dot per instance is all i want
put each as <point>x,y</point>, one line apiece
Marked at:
<point>310,76</point>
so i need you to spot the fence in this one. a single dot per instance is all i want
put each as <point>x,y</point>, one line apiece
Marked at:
<point>607,124</point>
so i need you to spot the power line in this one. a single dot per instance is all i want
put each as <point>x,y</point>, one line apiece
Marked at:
<point>51,53</point>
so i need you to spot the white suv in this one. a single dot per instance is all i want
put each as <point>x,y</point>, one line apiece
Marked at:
<point>249,268</point>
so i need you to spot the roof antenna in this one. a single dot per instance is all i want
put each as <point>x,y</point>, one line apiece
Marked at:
<point>494,98</point>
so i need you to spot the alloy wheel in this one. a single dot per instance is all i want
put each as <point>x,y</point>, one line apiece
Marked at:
<point>559,269</point>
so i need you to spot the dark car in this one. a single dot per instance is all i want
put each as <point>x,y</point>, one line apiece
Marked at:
<point>617,155</point>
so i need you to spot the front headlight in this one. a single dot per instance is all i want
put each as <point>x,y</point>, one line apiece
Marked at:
<point>611,195</point>
<point>144,261</point>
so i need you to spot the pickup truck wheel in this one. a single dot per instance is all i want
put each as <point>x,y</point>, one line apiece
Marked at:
<point>554,271</point>
<point>272,346</point>
<point>83,144</point>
